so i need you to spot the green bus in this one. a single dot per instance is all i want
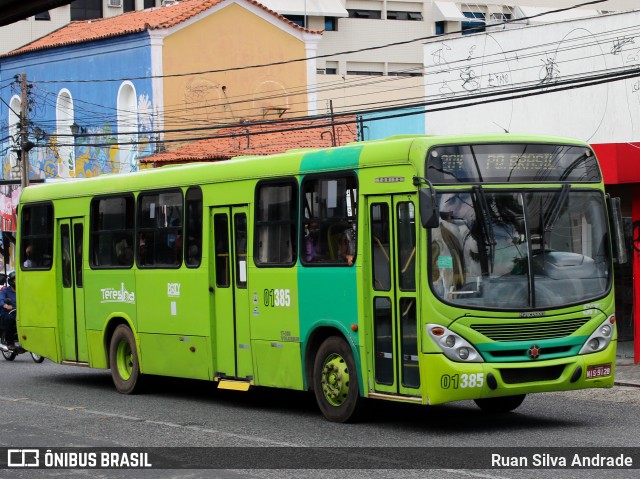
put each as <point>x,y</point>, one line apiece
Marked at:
<point>422,269</point>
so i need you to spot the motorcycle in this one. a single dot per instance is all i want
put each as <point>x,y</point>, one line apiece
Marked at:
<point>11,353</point>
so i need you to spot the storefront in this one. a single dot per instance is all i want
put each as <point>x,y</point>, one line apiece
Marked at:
<point>621,169</point>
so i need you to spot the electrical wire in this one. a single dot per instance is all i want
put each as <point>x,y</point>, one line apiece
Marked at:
<point>172,119</point>
<point>329,55</point>
<point>430,106</point>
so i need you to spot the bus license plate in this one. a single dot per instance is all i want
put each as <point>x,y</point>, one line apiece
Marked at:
<point>598,371</point>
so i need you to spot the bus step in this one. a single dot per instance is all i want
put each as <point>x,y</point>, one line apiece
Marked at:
<point>234,385</point>
<point>76,363</point>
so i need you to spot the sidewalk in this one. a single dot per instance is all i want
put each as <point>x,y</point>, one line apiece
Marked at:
<point>627,373</point>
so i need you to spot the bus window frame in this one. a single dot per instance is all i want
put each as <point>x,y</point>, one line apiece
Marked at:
<point>95,199</point>
<point>302,220</point>
<point>24,240</point>
<point>137,228</point>
<point>282,181</point>
<point>198,241</point>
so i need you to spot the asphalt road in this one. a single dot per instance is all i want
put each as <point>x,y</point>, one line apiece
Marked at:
<point>52,406</point>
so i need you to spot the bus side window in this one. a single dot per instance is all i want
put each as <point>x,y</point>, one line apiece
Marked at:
<point>111,231</point>
<point>193,227</point>
<point>380,237</point>
<point>37,236</point>
<point>330,210</point>
<point>160,229</point>
<point>276,223</point>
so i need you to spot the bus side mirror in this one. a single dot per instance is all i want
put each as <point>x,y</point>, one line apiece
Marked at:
<point>429,214</point>
<point>617,232</point>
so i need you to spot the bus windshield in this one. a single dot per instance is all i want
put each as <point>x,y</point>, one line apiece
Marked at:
<point>520,250</point>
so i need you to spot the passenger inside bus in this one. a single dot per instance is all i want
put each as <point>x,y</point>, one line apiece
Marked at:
<point>124,252</point>
<point>28,263</point>
<point>347,245</point>
<point>310,242</point>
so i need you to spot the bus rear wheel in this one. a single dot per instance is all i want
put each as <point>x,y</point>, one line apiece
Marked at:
<point>123,359</point>
<point>9,355</point>
<point>37,358</point>
<point>335,381</point>
<point>500,404</point>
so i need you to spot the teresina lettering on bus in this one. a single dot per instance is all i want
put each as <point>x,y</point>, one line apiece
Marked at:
<point>112,295</point>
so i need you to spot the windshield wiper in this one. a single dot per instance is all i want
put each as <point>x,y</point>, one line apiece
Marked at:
<point>556,205</point>
<point>486,226</point>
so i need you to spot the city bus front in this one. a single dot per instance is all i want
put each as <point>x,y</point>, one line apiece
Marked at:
<point>519,273</point>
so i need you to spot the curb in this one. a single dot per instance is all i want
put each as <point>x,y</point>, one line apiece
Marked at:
<point>626,384</point>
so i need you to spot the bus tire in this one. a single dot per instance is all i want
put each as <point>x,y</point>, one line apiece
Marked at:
<point>335,381</point>
<point>9,355</point>
<point>123,359</point>
<point>37,358</point>
<point>500,404</point>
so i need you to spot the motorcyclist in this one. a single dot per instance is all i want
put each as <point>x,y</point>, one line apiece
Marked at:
<point>8,304</point>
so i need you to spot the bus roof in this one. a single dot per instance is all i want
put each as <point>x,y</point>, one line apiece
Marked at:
<point>392,150</point>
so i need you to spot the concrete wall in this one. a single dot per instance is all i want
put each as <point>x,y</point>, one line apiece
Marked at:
<point>234,36</point>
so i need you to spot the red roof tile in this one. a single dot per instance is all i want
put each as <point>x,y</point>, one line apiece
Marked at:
<point>132,22</point>
<point>260,140</point>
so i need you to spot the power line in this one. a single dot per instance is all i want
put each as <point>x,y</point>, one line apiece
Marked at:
<point>329,55</point>
<point>430,106</point>
<point>169,117</point>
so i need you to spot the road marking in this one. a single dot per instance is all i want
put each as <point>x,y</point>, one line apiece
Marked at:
<point>82,409</point>
<point>474,474</point>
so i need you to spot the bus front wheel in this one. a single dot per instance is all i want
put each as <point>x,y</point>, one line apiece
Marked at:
<point>500,404</point>
<point>335,381</point>
<point>123,359</point>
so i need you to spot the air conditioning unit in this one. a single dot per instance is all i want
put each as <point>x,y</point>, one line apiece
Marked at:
<point>115,3</point>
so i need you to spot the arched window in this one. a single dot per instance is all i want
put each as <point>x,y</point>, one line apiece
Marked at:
<point>127,127</point>
<point>14,129</point>
<point>64,120</point>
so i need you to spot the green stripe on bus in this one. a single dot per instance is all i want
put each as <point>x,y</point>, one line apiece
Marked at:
<point>329,159</point>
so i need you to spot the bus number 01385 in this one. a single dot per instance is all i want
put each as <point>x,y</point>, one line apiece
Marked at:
<point>277,298</point>
<point>462,381</point>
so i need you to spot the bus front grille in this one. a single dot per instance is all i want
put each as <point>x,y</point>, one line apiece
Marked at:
<point>530,375</point>
<point>530,331</point>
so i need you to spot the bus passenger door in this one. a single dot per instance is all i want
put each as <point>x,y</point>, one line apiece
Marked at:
<point>70,282</point>
<point>393,300</point>
<point>231,335</point>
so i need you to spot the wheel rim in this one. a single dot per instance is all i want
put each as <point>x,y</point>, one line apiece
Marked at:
<point>124,360</point>
<point>335,380</point>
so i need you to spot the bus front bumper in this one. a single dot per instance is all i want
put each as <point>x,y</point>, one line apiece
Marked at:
<point>456,381</point>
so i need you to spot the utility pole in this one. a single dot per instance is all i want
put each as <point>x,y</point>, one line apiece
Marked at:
<point>24,132</point>
<point>333,125</point>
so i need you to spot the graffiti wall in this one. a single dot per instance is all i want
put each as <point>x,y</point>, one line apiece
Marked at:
<point>85,86</point>
<point>473,67</point>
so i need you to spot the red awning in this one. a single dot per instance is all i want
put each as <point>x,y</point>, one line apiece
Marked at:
<point>620,162</point>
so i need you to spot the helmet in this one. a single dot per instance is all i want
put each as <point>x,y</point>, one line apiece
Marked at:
<point>11,279</point>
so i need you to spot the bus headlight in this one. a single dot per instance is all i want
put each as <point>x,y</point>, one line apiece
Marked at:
<point>601,337</point>
<point>454,346</point>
